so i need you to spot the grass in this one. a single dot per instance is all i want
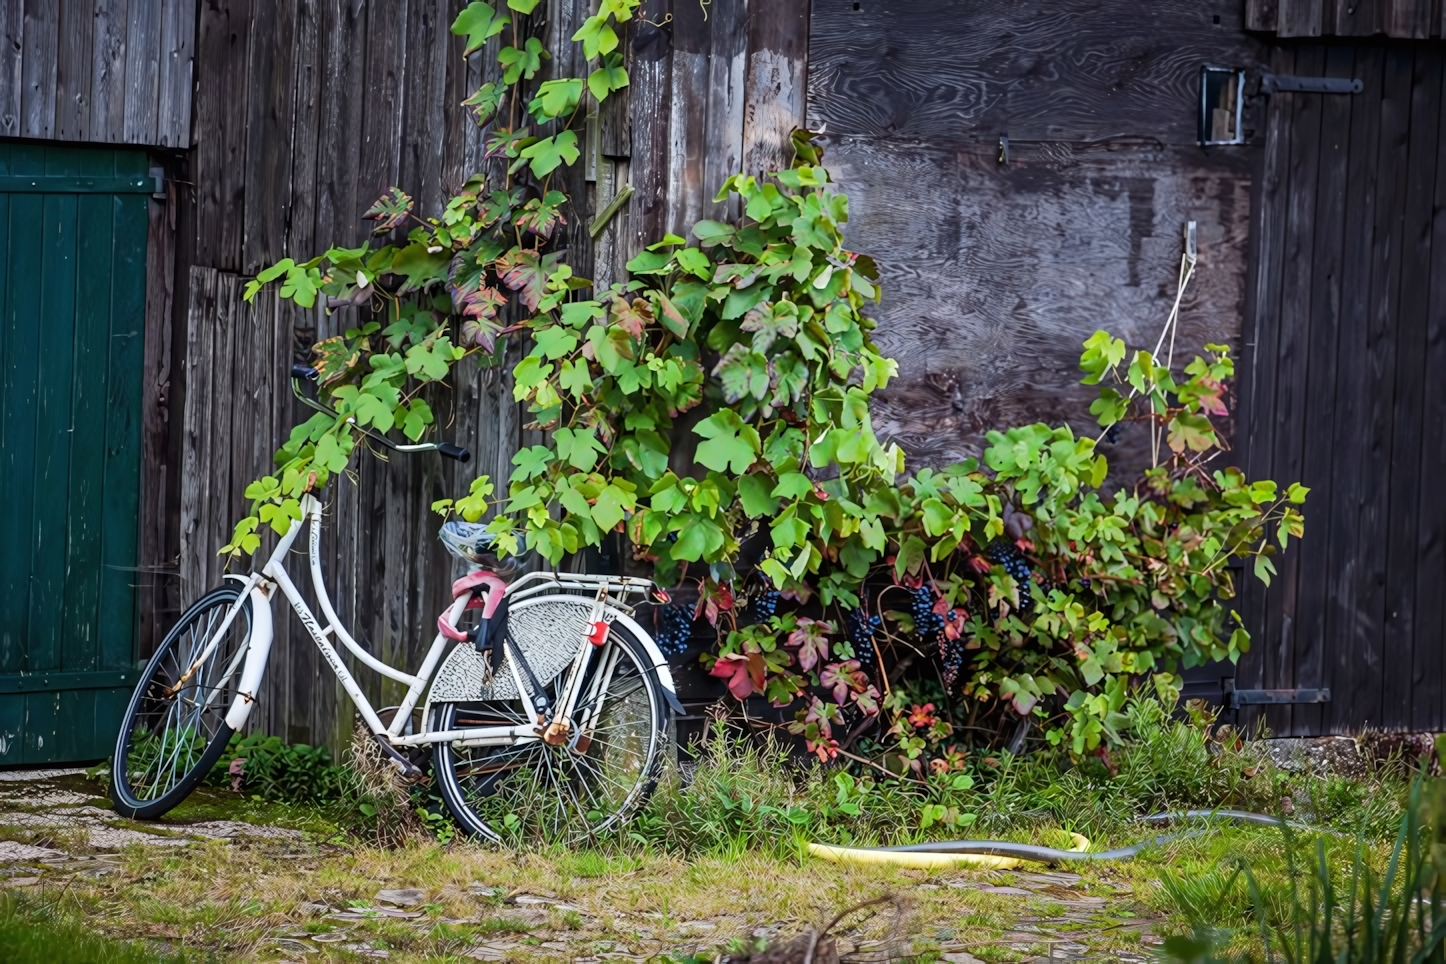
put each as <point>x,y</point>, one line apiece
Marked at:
<point>708,863</point>
<point>36,934</point>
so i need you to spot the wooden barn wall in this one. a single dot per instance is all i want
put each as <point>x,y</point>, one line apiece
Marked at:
<point>306,112</point>
<point>99,71</point>
<point>1345,390</point>
<point>1407,19</point>
<point>996,268</point>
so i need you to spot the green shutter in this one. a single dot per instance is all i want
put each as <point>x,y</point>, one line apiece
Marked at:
<point>72,333</point>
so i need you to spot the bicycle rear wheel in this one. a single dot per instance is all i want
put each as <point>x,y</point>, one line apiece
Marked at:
<point>607,768</point>
<point>173,732</point>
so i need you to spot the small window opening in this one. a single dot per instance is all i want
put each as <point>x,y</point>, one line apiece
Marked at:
<point>1221,105</point>
<point>856,6</point>
<point>1215,19</point>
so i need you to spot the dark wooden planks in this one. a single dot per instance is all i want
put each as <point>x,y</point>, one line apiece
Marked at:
<point>39,52</point>
<point>1366,637</point>
<point>222,92</point>
<point>100,71</point>
<point>1428,703</point>
<point>382,116</point>
<point>1314,577</point>
<point>1300,18</point>
<point>650,96</point>
<point>1401,640</point>
<point>342,39</point>
<point>177,70</point>
<point>108,67</point>
<point>726,103</point>
<point>142,78</point>
<point>268,131</point>
<point>687,117</point>
<point>776,89</point>
<point>73,72</point>
<point>960,76</point>
<point>12,38</point>
<point>1357,18</point>
<point>1284,436</point>
<point>156,584</point>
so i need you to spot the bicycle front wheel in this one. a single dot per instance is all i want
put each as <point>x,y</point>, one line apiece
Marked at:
<point>174,729</point>
<point>606,768</point>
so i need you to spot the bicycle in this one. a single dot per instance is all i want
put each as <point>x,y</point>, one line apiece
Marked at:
<point>553,711</point>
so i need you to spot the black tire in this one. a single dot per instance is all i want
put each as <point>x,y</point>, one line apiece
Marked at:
<point>475,779</point>
<point>192,753</point>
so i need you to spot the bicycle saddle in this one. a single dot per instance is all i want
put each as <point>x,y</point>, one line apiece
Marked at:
<point>468,541</point>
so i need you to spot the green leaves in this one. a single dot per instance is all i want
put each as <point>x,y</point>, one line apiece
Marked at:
<point>555,98</point>
<point>477,22</point>
<point>522,64</point>
<point>730,444</point>
<point>607,78</point>
<point>548,153</point>
<point>597,36</point>
<point>301,281</point>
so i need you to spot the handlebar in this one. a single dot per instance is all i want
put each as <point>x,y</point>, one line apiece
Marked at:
<point>300,373</point>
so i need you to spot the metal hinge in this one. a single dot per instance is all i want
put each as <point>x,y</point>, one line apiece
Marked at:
<point>1281,83</point>
<point>1235,698</point>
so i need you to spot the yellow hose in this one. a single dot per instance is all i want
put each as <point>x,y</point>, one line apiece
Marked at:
<point>923,860</point>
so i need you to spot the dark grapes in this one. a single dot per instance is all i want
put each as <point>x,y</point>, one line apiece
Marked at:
<point>951,654</point>
<point>1004,553</point>
<point>861,629</point>
<point>765,604</point>
<point>674,629</point>
<point>927,623</point>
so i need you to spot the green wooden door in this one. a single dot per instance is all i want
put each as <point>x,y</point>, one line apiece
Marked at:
<point>72,322</point>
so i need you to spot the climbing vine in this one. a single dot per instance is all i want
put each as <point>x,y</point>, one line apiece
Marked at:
<point>836,579</point>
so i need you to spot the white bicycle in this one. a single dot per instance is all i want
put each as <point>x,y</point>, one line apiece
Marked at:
<point>552,713</point>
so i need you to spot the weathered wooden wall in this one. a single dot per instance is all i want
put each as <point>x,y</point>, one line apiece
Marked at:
<point>1413,19</point>
<point>306,112</point>
<point>99,71</point>
<point>1344,389</point>
<point>995,270</point>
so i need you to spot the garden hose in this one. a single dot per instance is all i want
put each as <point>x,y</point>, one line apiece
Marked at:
<point>1004,854</point>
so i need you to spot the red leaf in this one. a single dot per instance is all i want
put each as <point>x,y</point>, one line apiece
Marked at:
<point>526,273</point>
<point>390,210</point>
<point>735,670</point>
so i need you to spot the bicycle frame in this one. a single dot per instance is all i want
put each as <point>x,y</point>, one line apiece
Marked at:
<point>260,586</point>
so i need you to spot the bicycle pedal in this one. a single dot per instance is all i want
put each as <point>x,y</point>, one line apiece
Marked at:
<point>410,771</point>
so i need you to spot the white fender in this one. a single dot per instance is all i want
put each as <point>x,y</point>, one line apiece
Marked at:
<point>258,651</point>
<point>660,662</point>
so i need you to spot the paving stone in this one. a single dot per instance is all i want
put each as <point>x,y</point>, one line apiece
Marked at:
<point>331,937</point>
<point>1012,891</point>
<point>12,850</point>
<point>409,897</point>
<point>291,946</point>
<point>20,882</point>
<point>34,776</point>
<point>224,829</point>
<point>960,957</point>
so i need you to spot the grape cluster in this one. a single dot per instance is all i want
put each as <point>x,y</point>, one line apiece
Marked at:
<point>951,655</point>
<point>860,629</point>
<point>927,623</point>
<point>1004,553</point>
<point>674,629</point>
<point>765,604</point>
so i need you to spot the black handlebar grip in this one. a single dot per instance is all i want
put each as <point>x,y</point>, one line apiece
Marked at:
<point>454,451</point>
<point>303,371</point>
